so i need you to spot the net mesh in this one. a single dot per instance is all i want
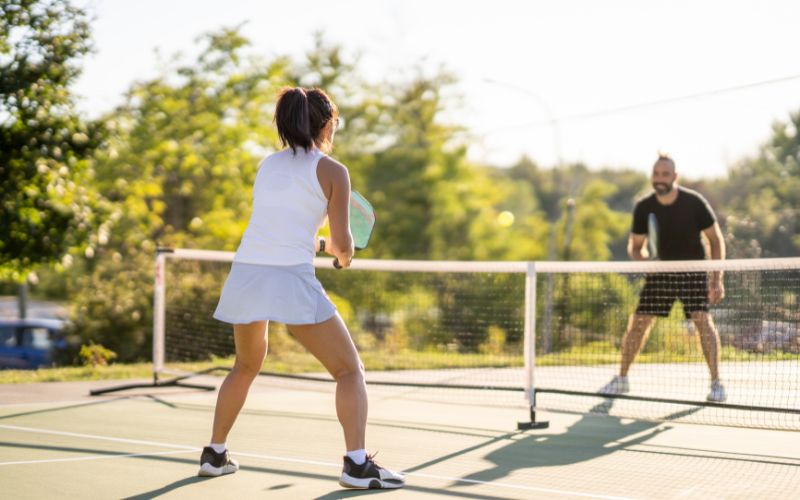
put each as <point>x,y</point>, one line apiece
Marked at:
<point>591,320</point>
<point>462,327</point>
<point>457,330</point>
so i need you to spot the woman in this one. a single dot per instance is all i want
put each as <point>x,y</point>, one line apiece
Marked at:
<point>272,278</point>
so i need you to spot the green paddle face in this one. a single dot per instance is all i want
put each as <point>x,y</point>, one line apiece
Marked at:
<point>362,220</point>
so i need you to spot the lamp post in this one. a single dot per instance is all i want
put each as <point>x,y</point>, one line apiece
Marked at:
<point>547,320</point>
<point>551,119</point>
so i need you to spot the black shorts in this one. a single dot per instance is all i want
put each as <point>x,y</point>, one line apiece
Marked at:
<point>661,290</point>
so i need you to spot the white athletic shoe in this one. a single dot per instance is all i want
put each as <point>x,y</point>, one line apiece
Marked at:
<point>618,385</point>
<point>717,394</point>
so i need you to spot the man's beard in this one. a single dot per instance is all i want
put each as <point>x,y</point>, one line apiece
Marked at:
<point>662,188</point>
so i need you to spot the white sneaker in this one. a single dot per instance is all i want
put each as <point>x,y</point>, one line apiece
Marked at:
<point>717,393</point>
<point>618,385</point>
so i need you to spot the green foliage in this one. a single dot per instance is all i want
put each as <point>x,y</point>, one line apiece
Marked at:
<point>112,302</point>
<point>49,204</point>
<point>179,167</point>
<point>604,298</point>
<point>591,214</point>
<point>95,355</point>
<point>761,197</point>
<point>410,170</point>
<point>674,335</point>
<point>596,225</point>
<point>181,153</point>
<point>185,147</point>
<point>416,318</point>
<point>495,342</point>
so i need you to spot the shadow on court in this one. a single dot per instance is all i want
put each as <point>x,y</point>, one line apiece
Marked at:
<point>587,439</point>
<point>170,487</point>
<point>56,409</point>
<point>336,492</point>
<point>313,417</point>
<point>439,493</point>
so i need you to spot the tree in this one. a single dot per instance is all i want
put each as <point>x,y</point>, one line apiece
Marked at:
<point>596,225</point>
<point>182,154</point>
<point>179,166</point>
<point>761,197</point>
<point>48,205</point>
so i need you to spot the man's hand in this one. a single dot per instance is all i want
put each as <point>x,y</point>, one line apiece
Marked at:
<point>636,247</point>
<point>716,291</point>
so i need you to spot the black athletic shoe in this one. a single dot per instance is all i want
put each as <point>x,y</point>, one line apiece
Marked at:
<point>213,464</point>
<point>369,475</point>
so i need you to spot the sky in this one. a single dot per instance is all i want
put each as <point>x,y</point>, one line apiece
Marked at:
<point>529,72</point>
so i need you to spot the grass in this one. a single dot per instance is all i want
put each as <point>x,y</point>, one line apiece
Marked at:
<point>74,373</point>
<point>283,362</point>
<point>292,361</point>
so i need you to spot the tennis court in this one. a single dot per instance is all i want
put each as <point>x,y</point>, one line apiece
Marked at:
<point>56,441</point>
<point>457,354</point>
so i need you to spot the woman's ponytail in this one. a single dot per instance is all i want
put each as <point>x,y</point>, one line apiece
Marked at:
<point>301,116</point>
<point>292,117</point>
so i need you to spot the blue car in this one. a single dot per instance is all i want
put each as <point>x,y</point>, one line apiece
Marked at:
<point>27,344</point>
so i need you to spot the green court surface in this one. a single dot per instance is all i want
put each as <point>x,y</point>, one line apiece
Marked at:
<point>57,442</point>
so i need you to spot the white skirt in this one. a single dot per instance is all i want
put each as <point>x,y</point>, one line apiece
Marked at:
<point>287,294</point>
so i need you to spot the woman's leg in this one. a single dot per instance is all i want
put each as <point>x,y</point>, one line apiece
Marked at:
<point>251,348</point>
<point>331,344</point>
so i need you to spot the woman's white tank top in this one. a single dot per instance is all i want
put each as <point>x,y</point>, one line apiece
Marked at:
<point>288,209</point>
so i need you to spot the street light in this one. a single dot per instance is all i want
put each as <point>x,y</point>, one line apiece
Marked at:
<point>551,118</point>
<point>547,320</point>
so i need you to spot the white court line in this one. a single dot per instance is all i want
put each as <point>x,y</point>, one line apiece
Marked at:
<point>93,436</point>
<point>38,403</point>
<point>98,457</point>
<point>185,448</point>
<point>66,402</point>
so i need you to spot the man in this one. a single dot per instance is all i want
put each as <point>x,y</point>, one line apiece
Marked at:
<point>682,216</point>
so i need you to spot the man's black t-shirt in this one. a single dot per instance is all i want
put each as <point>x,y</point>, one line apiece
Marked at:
<point>679,224</point>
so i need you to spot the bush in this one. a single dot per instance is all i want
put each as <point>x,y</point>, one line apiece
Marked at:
<point>95,355</point>
<point>495,342</point>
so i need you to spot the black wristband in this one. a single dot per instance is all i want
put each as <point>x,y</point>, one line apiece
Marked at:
<point>322,244</point>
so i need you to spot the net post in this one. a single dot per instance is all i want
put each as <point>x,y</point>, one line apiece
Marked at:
<point>159,311</point>
<point>530,348</point>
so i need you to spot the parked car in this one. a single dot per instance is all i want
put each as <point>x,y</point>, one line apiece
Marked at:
<point>30,343</point>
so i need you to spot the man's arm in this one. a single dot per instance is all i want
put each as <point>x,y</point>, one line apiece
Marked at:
<point>717,243</point>
<point>636,248</point>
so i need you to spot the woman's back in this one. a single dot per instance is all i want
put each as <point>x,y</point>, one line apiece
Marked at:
<point>288,208</point>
